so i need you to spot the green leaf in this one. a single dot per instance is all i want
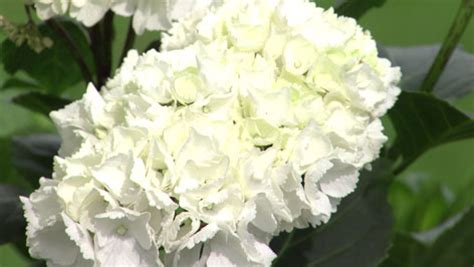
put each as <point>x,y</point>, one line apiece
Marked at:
<point>12,221</point>
<point>10,256</point>
<point>40,103</point>
<point>430,236</point>
<point>406,251</point>
<point>456,81</point>
<point>16,119</point>
<point>17,83</point>
<point>33,155</point>
<point>458,27</point>
<point>423,122</point>
<point>356,8</point>
<point>452,245</point>
<point>455,246</point>
<point>8,172</point>
<point>465,197</point>
<point>419,202</point>
<point>156,44</point>
<point>39,264</point>
<point>357,235</point>
<point>54,68</point>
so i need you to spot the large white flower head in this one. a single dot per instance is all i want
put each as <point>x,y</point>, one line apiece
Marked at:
<point>147,14</point>
<point>256,122</point>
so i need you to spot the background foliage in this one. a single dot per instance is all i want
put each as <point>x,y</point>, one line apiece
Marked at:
<point>426,198</point>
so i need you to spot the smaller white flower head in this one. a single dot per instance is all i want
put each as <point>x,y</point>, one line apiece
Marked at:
<point>147,14</point>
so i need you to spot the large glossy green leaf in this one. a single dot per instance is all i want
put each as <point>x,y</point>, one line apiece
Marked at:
<point>41,103</point>
<point>465,197</point>
<point>54,68</point>
<point>15,119</point>
<point>455,246</point>
<point>8,172</point>
<point>357,235</point>
<point>422,122</point>
<point>430,236</point>
<point>19,84</point>
<point>419,202</point>
<point>155,44</point>
<point>12,221</point>
<point>33,155</point>
<point>406,251</point>
<point>356,8</point>
<point>450,244</point>
<point>10,256</point>
<point>456,81</point>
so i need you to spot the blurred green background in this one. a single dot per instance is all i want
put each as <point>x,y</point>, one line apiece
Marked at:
<point>438,185</point>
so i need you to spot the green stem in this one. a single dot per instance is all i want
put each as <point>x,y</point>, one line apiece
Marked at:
<point>357,8</point>
<point>71,45</point>
<point>284,248</point>
<point>101,36</point>
<point>28,13</point>
<point>95,38</point>
<point>108,37</point>
<point>399,169</point>
<point>457,29</point>
<point>129,41</point>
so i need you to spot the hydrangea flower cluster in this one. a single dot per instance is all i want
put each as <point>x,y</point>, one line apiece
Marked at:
<point>147,14</point>
<point>256,119</point>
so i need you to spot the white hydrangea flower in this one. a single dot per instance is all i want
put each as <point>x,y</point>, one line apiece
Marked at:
<point>147,14</point>
<point>199,155</point>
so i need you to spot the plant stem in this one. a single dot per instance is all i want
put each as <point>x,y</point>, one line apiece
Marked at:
<point>401,168</point>
<point>452,39</point>
<point>101,36</point>
<point>284,248</point>
<point>28,13</point>
<point>71,45</point>
<point>108,37</point>
<point>357,8</point>
<point>129,41</point>
<point>95,37</point>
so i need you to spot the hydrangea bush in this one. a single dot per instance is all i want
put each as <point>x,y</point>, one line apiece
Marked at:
<point>255,120</point>
<point>247,126</point>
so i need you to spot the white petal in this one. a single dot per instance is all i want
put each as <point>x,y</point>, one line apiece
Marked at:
<point>151,15</point>
<point>42,208</point>
<point>181,8</point>
<point>189,254</point>
<point>80,236</point>
<point>124,8</point>
<point>264,218</point>
<point>226,250</point>
<point>114,174</point>
<point>340,180</point>
<point>123,239</point>
<point>53,244</point>
<point>311,146</point>
<point>125,252</point>
<point>91,13</point>
<point>77,120</point>
<point>257,251</point>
